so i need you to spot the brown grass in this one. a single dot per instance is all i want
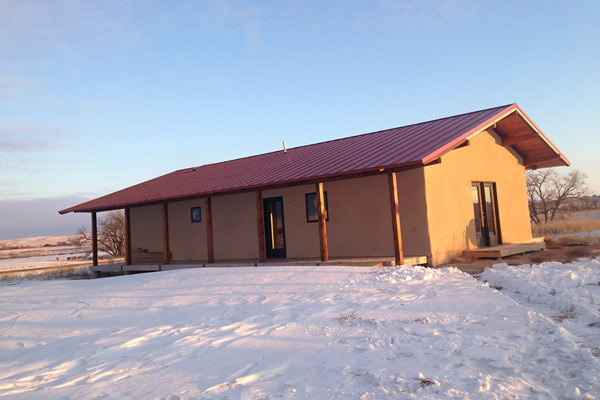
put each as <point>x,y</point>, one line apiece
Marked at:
<point>564,226</point>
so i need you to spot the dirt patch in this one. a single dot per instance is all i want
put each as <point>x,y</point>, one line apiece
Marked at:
<point>563,250</point>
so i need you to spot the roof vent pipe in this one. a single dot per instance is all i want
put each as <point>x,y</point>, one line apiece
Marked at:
<point>284,148</point>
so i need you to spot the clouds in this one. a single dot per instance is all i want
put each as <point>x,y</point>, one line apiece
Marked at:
<point>23,139</point>
<point>37,217</point>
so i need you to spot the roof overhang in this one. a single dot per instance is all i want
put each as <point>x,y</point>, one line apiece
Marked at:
<point>519,132</point>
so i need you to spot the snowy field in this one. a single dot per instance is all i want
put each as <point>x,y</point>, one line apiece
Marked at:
<point>42,261</point>
<point>305,332</point>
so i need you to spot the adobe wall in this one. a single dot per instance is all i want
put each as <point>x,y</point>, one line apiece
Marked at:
<point>235,234</point>
<point>146,228</point>
<point>449,199</point>
<point>187,239</point>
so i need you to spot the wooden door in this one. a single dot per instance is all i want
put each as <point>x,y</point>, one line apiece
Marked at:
<point>274,227</point>
<point>485,209</point>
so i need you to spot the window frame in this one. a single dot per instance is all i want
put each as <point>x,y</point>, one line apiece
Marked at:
<point>307,196</point>
<point>193,215</point>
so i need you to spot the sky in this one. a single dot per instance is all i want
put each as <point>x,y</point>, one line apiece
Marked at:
<point>96,96</point>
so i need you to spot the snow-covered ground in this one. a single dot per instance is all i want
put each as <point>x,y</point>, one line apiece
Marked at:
<point>303,332</point>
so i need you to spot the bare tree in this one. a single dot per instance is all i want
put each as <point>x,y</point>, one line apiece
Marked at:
<point>547,192</point>
<point>111,233</point>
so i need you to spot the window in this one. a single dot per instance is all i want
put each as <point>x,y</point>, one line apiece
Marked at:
<point>196,215</point>
<point>312,212</point>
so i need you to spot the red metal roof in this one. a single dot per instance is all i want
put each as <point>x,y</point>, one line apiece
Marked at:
<point>397,148</point>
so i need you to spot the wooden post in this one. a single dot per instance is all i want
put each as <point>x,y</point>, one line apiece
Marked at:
<point>322,223</point>
<point>260,227</point>
<point>94,240</point>
<point>166,246</point>
<point>209,232</point>
<point>127,237</point>
<point>393,188</point>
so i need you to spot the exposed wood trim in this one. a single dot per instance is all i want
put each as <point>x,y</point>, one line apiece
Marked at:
<point>395,213</point>
<point>322,221</point>
<point>127,237</point>
<point>166,244</point>
<point>260,227</point>
<point>463,144</point>
<point>510,140</point>
<point>94,240</point>
<point>540,158</point>
<point>210,248</point>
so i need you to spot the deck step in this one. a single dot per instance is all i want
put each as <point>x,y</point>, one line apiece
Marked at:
<point>505,250</point>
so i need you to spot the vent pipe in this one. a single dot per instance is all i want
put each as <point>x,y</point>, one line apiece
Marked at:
<point>284,148</point>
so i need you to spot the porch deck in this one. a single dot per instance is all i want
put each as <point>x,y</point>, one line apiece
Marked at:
<point>154,266</point>
<point>505,250</point>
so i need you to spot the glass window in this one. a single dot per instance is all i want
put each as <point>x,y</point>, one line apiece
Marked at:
<point>312,212</point>
<point>196,216</point>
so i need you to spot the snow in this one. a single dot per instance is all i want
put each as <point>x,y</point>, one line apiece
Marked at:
<point>304,332</point>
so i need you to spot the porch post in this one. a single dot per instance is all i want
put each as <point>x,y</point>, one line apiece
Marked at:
<point>94,240</point>
<point>209,232</point>
<point>393,188</point>
<point>322,222</point>
<point>166,247</point>
<point>260,227</point>
<point>127,236</point>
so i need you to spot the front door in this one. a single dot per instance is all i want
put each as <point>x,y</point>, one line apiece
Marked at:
<point>485,209</point>
<point>274,227</point>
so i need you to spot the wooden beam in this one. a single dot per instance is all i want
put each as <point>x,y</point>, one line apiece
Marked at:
<point>260,227</point>
<point>94,240</point>
<point>540,158</point>
<point>322,222</point>
<point>166,244</point>
<point>397,232</point>
<point>510,140</point>
<point>209,232</point>
<point>127,236</point>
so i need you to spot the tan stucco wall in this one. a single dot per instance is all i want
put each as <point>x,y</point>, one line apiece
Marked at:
<point>449,202</point>
<point>187,239</point>
<point>359,218</point>
<point>413,212</point>
<point>235,232</point>
<point>146,228</point>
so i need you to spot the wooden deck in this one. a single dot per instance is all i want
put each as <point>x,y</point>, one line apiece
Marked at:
<point>119,268</point>
<point>505,250</point>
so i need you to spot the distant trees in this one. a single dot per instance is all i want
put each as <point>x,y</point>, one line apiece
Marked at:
<point>549,191</point>
<point>111,233</point>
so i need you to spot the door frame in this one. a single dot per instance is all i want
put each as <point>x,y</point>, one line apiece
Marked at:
<point>483,213</point>
<point>272,252</point>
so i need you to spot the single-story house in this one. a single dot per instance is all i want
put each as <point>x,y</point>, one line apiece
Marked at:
<point>431,189</point>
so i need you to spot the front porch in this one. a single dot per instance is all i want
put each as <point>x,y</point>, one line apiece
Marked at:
<point>124,268</point>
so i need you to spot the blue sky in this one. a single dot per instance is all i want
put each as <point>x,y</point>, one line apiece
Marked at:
<point>98,96</point>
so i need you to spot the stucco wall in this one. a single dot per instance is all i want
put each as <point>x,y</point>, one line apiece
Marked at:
<point>187,239</point>
<point>449,200</point>
<point>413,212</point>
<point>235,233</point>
<point>359,217</point>
<point>146,228</point>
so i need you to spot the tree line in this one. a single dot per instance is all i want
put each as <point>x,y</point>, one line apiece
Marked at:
<point>550,194</point>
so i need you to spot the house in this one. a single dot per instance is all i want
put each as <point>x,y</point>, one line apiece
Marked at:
<point>431,189</point>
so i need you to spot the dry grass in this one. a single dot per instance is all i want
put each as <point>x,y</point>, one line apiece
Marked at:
<point>564,226</point>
